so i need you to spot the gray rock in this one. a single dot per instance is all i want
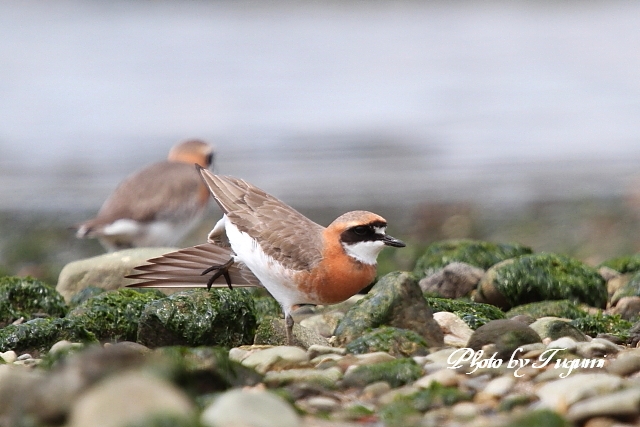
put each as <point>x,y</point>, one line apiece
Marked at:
<point>627,307</point>
<point>618,404</point>
<point>506,335</point>
<point>250,409</point>
<point>104,271</point>
<point>567,391</point>
<point>554,328</point>
<point>396,300</point>
<point>273,332</point>
<point>282,357</point>
<point>627,363</point>
<point>597,347</point>
<point>129,398</point>
<point>455,280</point>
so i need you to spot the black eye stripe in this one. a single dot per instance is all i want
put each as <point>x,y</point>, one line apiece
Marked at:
<point>362,233</point>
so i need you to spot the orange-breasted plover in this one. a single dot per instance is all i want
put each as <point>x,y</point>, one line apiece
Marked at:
<point>298,261</point>
<point>156,206</point>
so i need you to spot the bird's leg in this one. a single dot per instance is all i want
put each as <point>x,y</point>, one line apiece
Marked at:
<point>288,321</point>
<point>223,270</point>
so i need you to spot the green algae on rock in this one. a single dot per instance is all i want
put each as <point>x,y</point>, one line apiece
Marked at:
<point>203,369</point>
<point>397,342</point>
<point>537,418</point>
<point>395,372</point>
<point>26,297</point>
<point>558,308</point>
<point>507,335</point>
<point>554,328</point>
<point>395,300</point>
<point>38,335</point>
<point>406,410</point>
<point>114,315</point>
<point>541,277</point>
<point>601,323</point>
<point>199,317</point>
<point>477,253</point>
<point>623,264</point>
<point>474,314</point>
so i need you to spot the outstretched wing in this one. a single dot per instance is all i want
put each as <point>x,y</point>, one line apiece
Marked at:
<point>282,232</point>
<point>183,269</point>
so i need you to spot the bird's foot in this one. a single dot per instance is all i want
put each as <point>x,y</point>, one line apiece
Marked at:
<point>223,270</point>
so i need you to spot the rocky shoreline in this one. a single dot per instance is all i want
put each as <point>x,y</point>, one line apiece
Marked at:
<point>478,334</point>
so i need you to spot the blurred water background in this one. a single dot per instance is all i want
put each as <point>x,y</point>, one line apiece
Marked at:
<point>485,119</point>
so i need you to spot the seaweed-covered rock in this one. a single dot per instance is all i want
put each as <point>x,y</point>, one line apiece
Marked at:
<point>541,277</point>
<point>395,372</point>
<point>105,271</point>
<point>114,315</point>
<point>506,335</point>
<point>537,418</point>
<point>25,297</point>
<point>38,335</point>
<point>203,369</point>
<point>395,300</point>
<point>474,314</point>
<point>84,295</point>
<point>473,252</point>
<point>407,410</point>
<point>199,318</point>
<point>600,323</point>
<point>455,280</point>
<point>554,328</point>
<point>624,264</point>
<point>396,342</point>
<point>559,308</point>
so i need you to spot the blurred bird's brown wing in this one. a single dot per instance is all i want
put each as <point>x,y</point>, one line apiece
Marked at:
<point>183,269</point>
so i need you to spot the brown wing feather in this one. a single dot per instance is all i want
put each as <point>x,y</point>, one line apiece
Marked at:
<point>183,269</point>
<point>282,232</point>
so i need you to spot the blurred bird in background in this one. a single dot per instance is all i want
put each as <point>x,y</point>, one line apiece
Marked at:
<point>156,206</point>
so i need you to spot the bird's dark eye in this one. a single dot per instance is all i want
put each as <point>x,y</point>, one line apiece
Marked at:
<point>360,230</point>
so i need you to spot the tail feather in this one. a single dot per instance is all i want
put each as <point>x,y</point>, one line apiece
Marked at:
<point>183,269</point>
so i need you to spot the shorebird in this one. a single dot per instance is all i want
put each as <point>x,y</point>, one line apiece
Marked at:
<point>156,206</point>
<point>263,241</point>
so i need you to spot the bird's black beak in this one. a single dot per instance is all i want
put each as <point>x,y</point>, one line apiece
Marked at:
<point>392,241</point>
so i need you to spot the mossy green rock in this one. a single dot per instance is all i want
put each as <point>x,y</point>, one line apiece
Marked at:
<point>38,335</point>
<point>542,417</point>
<point>408,410</point>
<point>474,314</point>
<point>114,315</point>
<point>395,300</point>
<point>397,342</point>
<point>220,317</point>
<point>395,372</point>
<point>624,264</point>
<point>25,297</point>
<point>506,335</point>
<point>477,253</point>
<point>541,277</point>
<point>554,328</point>
<point>601,323</point>
<point>561,308</point>
<point>203,369</point>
